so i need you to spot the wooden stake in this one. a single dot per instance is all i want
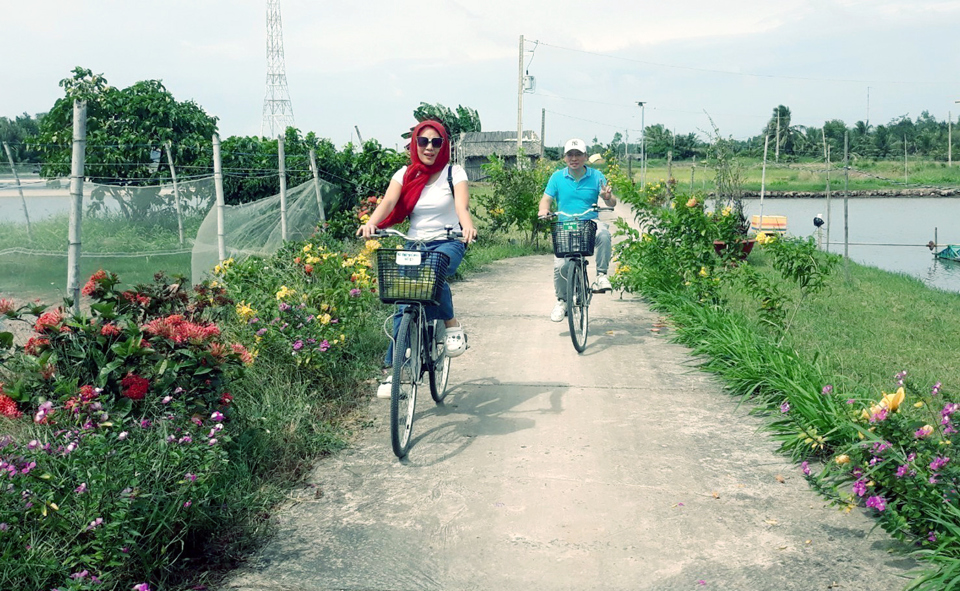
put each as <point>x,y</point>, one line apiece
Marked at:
<point>282,161</point>
<point>846,208</point>
<point>316,186</point>
<point>176,190</point>
<point>20,189</point>
<point>763,180</point>
<point>76,200</point>
<point>218,183</point>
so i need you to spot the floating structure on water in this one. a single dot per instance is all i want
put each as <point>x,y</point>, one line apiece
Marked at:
<point>950,253</point>
<point>772,224</point>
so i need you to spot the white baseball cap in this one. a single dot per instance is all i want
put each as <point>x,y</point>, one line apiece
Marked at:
<point>575,144</point>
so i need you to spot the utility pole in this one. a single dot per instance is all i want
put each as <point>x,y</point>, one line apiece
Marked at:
<point>277,108</point>
<point>949,139</point>
<point>777,147</point>
<point>543,130</point>
<point>520,104</point>
<point>626,154</point>
<point>77,163</point>
<point>643,146</point>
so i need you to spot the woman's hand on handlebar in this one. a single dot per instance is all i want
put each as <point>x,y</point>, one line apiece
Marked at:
<point>469,233</point>
<point>367,230</point>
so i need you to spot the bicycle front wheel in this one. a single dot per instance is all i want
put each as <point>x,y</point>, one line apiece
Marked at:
<point>406,373</point>
<point>578,305</point>
<point>439,365</point>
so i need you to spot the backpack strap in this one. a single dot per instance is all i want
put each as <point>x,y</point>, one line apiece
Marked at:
<point>450,178</point>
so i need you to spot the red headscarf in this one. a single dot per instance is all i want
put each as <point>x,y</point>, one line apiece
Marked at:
<point>417,174</point>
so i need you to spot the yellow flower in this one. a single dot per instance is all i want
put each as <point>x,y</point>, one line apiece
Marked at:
<point>945,442</point>
<point>285,292</point>
<point>245,312</point>
<point>918,404</point>
<point>692,202</point>
<point>371,245</point>
<point>726,211</point>
<point>894,400</point>
<point>764,238</point>
<point>307,248</point>
<point>325,319</point>
<point>842,459</point>
<point>703,271</point>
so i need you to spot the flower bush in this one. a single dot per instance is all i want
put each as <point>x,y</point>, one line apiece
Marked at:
<point>302,305</point>
<point>114,432</point>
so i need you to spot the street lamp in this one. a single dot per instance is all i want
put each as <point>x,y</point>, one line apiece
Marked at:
<point>643,152</point>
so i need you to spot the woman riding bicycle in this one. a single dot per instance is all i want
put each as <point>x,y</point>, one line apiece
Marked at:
<point>576,188</point>
<point>422,192</point>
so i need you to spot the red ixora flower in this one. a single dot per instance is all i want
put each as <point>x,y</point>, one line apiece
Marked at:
<point>92,286</point>
<point>134,386</point>
<point>36,345</point>
<point>136,298</point>
<point>226,398</point>
<point>8,407</point>
<point>179,330</point>
<point>48,321</point>
<point>109,330</point>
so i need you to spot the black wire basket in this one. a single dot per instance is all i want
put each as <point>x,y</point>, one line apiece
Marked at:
<point>411,275</point>
<point>574,237</point>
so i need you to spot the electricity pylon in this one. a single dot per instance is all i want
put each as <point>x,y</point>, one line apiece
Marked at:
<point>277,108</point>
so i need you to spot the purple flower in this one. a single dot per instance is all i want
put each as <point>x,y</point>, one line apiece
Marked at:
<point>877,503</point>
<point>932,537</point>
<point>217,416</point>
<point>806,468</point>
<point>212,442</point>
<point>902,470</point>
<point>185,439</point>
<point>43,411</point>
<point>71,447</point>
<point>27,468</point>
<point>95,523</point>
<point>826,389</point>
<point>785,407</point>
<point>284,306</point>
<point>938,462</point>
<point>4,527</point>
<point>122,435</point>
<point>81,489</point>
<point>324,345</point>
<point>34,444</point>
<point>171,438</point>
<point>166,399</point>
<point>355,292</point>
<point>261,332</point>
<point>188,503</point>
<point>141,587</point>
<point>936,389</point>
<point>145,424</point>
<point>253,321</point>
<point>190,477</point>
<point>860,488</point>
<point>297,345</point>
<point>80,575</point>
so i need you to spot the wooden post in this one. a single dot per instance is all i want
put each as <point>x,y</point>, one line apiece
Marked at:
<point>949,139</point>
<point>519,106</point>
<point>777,147</point>
<point>76,201</point>
<point>316,186</point>
<point>626,154</point>
<point>846,210</point>
<point>23,201</point>
<point>905,178</point>
<point>218,183</point>
<point>669,171</point>
<point>763,180</point>
<point>693,169</point>
<point>543,131</point>
<point>176,190</point>
<point>826,159</point>
<point>281,160</point>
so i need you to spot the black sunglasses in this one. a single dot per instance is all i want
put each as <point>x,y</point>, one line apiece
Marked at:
<point>423,142</point>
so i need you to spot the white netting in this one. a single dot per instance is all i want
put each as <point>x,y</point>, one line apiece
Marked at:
<point>131,231</point>
<point>254,228</point>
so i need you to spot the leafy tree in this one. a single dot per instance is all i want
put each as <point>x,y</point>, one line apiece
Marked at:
<point>659,140</point>
<point>126,134</point>
<point>463,120</point>
<point>779,129</point>
<point>15,132</point>
<point>516,193</point>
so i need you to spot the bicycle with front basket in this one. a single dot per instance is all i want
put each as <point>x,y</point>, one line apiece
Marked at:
<point>413,277</point>
<point>574,239</point>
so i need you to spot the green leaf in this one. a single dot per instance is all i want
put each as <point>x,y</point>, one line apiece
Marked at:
<point>6,340</point>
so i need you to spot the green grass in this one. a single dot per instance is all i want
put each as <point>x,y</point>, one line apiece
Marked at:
<point>811,176</point>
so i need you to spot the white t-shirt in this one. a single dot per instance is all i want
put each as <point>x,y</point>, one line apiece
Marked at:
<point>435,209</point>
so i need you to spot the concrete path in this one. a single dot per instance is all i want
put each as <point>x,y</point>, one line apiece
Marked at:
<point>619,468</point>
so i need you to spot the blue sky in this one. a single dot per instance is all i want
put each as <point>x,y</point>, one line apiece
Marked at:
<point>370,63</point>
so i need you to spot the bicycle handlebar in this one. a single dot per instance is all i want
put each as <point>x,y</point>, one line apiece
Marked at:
<point>448,232</point>
<point>575,215</point>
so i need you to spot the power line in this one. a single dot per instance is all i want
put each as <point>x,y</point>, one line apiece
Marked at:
<point>730,73</point>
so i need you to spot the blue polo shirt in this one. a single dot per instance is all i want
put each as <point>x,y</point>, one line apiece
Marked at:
<point>575,196</point>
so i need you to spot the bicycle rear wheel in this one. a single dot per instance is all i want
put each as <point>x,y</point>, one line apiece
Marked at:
<point>406,373</point>
<point>439,364</point>
<point>578,305</point>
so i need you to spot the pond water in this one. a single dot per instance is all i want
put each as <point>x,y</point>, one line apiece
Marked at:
<point>889,233</point>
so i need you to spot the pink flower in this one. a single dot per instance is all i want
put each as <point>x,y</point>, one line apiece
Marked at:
<point>95,523</point>
<point>141,587</point>
<point>877,503</point>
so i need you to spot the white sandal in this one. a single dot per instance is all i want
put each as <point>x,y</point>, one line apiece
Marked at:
<point>456,342</point>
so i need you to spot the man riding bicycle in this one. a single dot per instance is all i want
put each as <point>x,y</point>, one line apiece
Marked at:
<point>577,188</point>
